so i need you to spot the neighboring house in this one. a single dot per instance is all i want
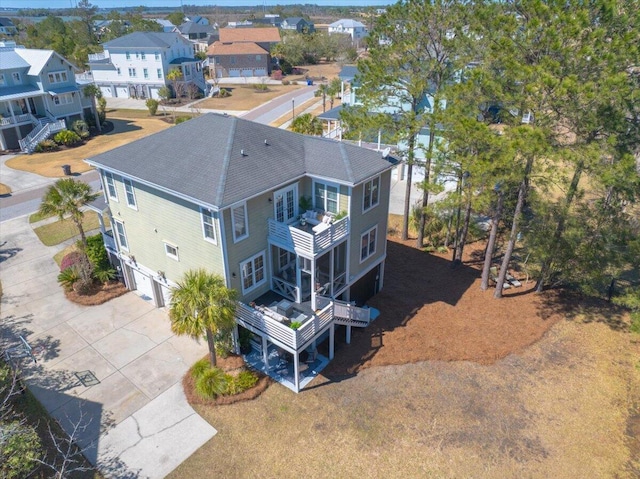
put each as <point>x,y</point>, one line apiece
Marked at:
<point>240,59</point>
<point>242,24</point>
<point>355,29</point>
<point>136,65</point>
<point>38,96</point>
<point>166,25</point>
<point>197,19</point>
<point>197,34</point>
<point>7,27</point>
<point>265,37</point>
<point>298,24</point>
<point>272,19</point>
<point>227,194</point>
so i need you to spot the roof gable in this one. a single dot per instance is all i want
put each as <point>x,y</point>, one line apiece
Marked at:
<point>237,48</point>
<point>220,160</point>
<point>256,35</point>
<point>38,59</point>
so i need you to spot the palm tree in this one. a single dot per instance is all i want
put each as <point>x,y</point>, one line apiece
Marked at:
<point>94,92</point>
<point>202,304</point>
<point>322,91</point>
<point>307,124</point>
<point>65,198</point>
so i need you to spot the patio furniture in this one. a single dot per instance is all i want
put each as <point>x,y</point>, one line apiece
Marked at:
<point>512,280</point>
<point>493,275</point>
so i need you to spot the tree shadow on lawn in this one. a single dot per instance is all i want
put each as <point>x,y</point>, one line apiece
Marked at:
<point>122,126</point>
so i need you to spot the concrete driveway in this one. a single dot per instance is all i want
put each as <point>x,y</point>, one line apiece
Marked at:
<point>113,369</point>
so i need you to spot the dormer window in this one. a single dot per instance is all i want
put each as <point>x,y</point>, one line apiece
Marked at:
<point>16,77</point>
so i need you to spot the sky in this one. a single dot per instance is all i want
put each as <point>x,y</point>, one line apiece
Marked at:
<point>177,3</point>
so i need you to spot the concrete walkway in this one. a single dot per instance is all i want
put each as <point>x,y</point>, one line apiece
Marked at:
<point>134,418</point>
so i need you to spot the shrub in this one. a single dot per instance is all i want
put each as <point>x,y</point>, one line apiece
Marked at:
<point>276,74</point>
<point>67,138</point>
<point>20,448</point>
<point>46,145</point>
<point>212,383</point>
<point>260,87</point>
<point>223,93</point>
<point>152,105</point>
<point>104,275</point>
<point>96,252</point>
<point>286,82</point>
<point>295,324</point>
<point>68,277</point>
<point>71,260</point>
<point>102,109</point>
<point>182,119</point>
<point>245,380</point>
<point>81,128</point>
<point>200,367</point>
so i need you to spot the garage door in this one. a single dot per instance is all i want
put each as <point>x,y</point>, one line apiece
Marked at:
<point>106,91</point>
<point>261,72</point>
<point>247,72</point>
<point>166,294</point>
<point>154,93</point>
<point>123,92</point>
<point>234,72</point>
<point>144,284</point>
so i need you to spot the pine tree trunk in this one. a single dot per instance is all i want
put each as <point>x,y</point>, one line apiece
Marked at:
<point>491,244</point>
<point>463,234</point>
<point>522,193</point>
<point>557,235</point>
<point>407,195</point>
<point>425,189</point>
<point>212,348</point>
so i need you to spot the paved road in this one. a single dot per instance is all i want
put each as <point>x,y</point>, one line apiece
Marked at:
<point>274,109</point>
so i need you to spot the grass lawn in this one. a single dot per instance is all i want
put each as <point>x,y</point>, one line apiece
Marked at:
<point>59,231</point>
<point>37,216</point>
<point>245,97</point>
<point>125,131</point>
<point>4,189</point>
<point>61,254</point>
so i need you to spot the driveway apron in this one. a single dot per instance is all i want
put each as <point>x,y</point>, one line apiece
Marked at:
<point>113,371</point>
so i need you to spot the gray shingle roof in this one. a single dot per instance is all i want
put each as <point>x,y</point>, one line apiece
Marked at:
<point>191,27</point>
<point>203,159</point>
<point>144,40</point>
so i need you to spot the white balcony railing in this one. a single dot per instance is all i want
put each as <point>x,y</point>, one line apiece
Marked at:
<point>96,57</point>
<point>274,330</point>
<point>27,117</point>
<point>308,243</point>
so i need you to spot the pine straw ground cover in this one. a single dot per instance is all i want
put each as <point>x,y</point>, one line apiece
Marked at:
<point>449,383</point>
<point>99,294</point>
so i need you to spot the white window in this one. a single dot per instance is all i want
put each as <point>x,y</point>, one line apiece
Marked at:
<point>143,56</point>
<point>145,72</point>
<point>253,273</point>
<point>171,251</point>
<point>111,186</point>
<point>129,193</point>
<point>240,226</point>
<point>127,55</point>
<point>64,99</point>
<point>119,71</point>
<point>57,77</point>
<point>368,243</point>
<point>285,259</point>
<point>137,55</point>
<point>132,72</point>
<point>122,236</point>
<point>159,71</point>
<point>16,77</point>
<point>208,226</point>
<point>326,197</point>
<point>285,204</point>
<point>157,56</point>
<point>371,194</point>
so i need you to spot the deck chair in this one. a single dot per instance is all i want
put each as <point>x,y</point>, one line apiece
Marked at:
<point>493,275</point>
<point>512,280</point>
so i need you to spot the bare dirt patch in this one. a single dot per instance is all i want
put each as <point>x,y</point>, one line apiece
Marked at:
<point>245,97</point>
<point>101,293</point>
<point>322,70</point>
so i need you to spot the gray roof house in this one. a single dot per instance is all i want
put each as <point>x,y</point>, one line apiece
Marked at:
<point>296,224</point>
<point>39,96</point>
<point>298,24</point>
<point>7,27</point>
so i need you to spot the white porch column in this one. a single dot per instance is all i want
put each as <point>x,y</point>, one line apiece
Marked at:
<point>349,334</point>
<point>331,340</point>
<point>3,143</point>
<point>313,284</point>
<point>379,138</point>
<point>298,285</point>
<point>331,277</point>
<point>13,120</point>
<point>296,370</point>
<point>265,353</point>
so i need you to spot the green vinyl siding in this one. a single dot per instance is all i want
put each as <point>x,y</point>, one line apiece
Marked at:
<point>162,218</point>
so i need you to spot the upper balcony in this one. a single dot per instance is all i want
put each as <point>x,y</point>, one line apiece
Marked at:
<point>308,238</point>
<point>17,120</point>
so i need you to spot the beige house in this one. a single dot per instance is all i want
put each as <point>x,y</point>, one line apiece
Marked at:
<point>296,224</point>
<point>241,59</point>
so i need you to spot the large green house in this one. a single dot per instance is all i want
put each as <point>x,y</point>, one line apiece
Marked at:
<point>296,224</point>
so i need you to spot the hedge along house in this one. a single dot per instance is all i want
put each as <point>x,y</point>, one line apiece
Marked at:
<point>296,224</point>
<point>38,96</point>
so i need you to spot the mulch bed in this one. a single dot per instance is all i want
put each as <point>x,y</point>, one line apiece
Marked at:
<point>229,364</point>
<point>429,311</point>
<point>101,293</point>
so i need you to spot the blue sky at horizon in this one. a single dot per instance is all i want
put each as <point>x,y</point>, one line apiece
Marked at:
<point>177,3</point>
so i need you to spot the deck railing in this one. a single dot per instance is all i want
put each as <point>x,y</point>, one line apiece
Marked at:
<point>308,243</point>
<point>284,288</point>
<point>18,119</point>
<point>275,330</point>
<point>109,241</point>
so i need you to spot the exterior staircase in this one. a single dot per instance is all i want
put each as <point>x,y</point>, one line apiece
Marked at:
<point>44,128</point>
<point>347,314</point>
